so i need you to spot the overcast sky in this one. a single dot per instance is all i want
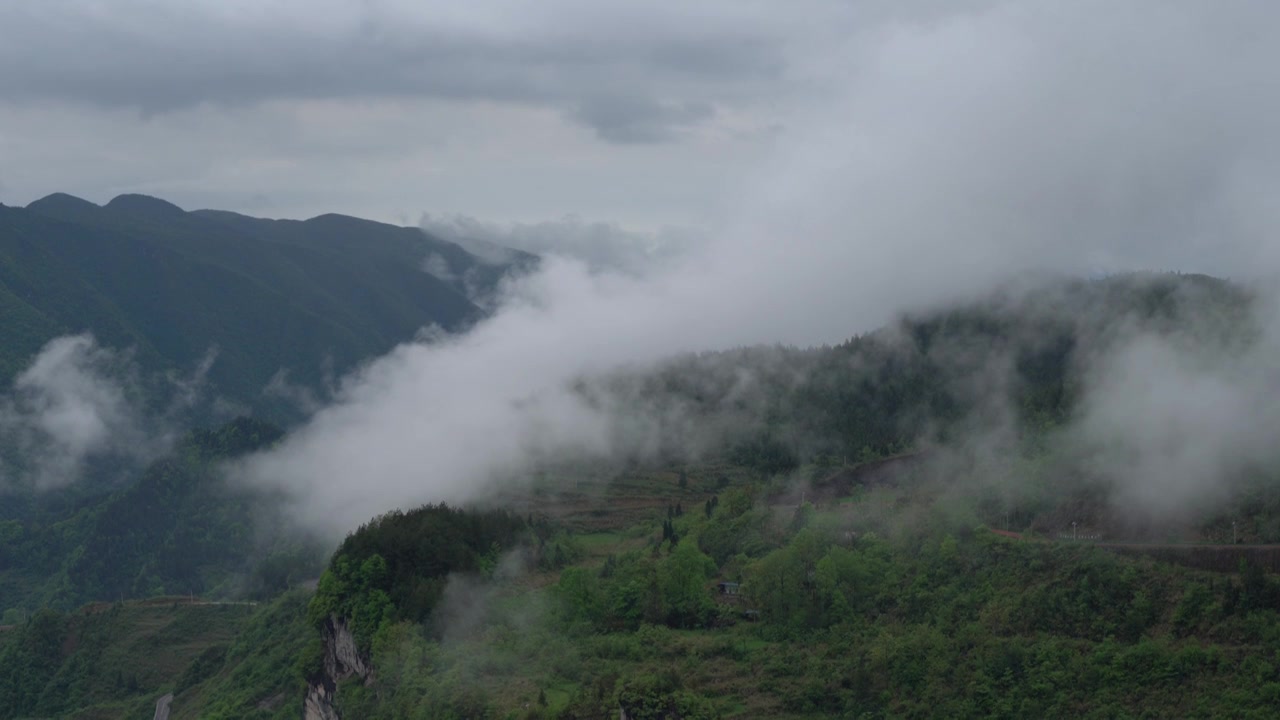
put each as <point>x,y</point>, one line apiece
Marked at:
<point>986,134</point>
<point>646,114</point>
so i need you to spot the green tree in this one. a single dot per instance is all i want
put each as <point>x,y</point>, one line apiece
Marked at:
<point>683,577</point>
<point>579,592</point>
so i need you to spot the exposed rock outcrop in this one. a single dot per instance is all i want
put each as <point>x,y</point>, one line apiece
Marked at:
<point>342,660</point>
<point>319,703</point>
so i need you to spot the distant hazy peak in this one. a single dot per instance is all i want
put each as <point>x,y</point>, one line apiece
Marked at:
<point>225,215</point>
<point>337,220</point>
<point>63,207</point>
<point>143,205</point>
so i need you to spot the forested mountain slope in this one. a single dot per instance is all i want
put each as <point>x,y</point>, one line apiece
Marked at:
<point>308,297</point>
<point>1025,350</point>
<point>175,528</point>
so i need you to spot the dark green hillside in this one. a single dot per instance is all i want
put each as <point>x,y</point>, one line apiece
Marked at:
<point>844,610</point>
<point>886,604</point>
<point>178,528</point>
<point>269,295</point>
<point>114,660</point>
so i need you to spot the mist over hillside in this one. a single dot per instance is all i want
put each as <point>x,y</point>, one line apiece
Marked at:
<point>729,360</point>
<point>951,157</point>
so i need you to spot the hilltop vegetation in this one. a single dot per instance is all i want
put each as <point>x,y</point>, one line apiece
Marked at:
<point>845,610</point>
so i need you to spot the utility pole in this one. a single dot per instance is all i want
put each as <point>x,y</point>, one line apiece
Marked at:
<point>1073,529</point>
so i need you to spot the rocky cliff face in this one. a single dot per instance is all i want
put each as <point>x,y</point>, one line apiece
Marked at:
<point>319,704</point>
<point>342,660</point>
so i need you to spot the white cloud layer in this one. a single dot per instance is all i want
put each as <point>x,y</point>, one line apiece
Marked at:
<point>961,149</point>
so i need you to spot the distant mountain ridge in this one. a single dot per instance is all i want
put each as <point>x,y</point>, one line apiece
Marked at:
<point>268,295</point>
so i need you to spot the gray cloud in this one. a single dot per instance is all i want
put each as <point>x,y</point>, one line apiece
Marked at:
<point>623,119</point>
<point>1174,419</point>
<point>72,403</point>
<point>77,402</point>
<point>1171,418</point>
<point>380,108</point>
<point>301,397</point>
<point>158,57</point>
